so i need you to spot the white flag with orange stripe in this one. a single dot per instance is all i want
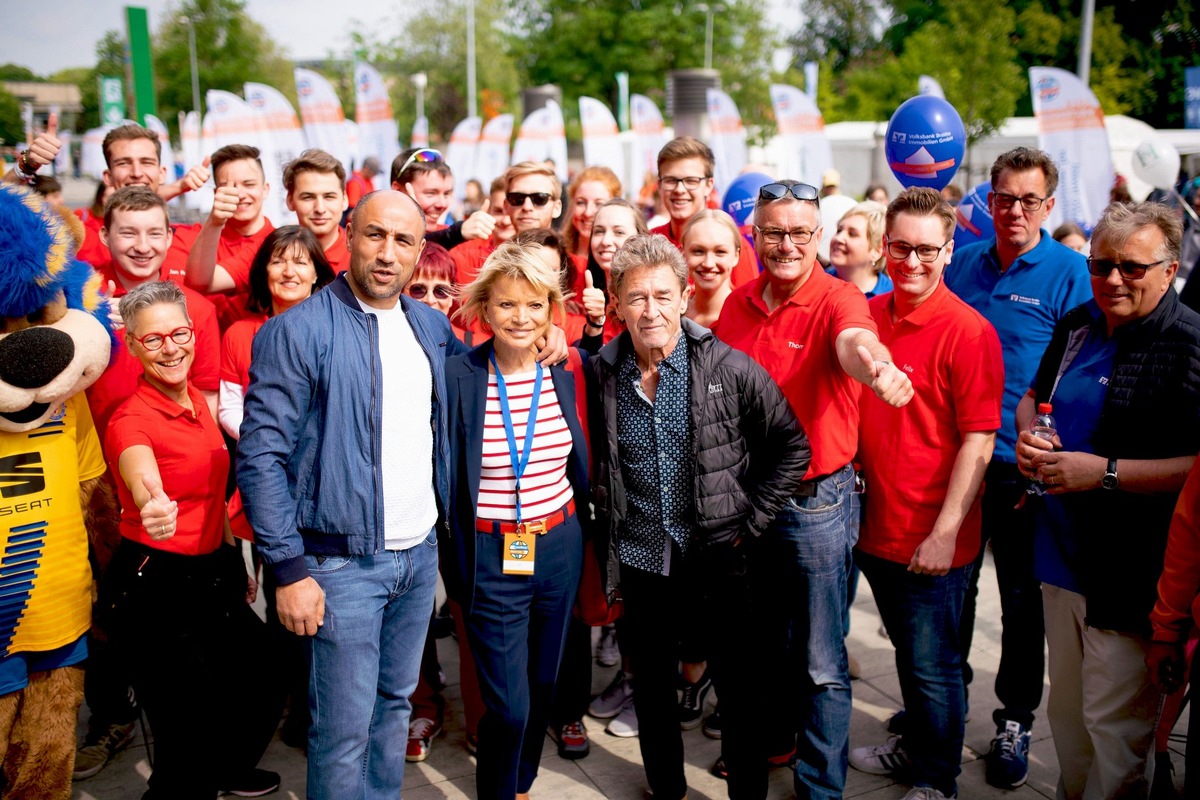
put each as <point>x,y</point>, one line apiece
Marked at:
<point>378,132</point>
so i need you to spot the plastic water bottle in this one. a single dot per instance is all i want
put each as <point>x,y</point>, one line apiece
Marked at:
<point>1043,427</point>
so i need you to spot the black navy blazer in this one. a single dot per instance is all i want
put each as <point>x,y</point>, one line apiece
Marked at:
<point>466,402</point>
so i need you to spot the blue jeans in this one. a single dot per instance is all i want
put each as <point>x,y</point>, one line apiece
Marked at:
<point>921,614</point>
<point>365,663</point>
<point>808,557</point>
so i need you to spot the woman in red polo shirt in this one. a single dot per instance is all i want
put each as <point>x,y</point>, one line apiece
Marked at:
<point>175,595</point>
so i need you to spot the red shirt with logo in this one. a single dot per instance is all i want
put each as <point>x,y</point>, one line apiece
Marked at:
<point>952,354</point>
<point>193,463</point>
<point>469,257</point>
<point>338,253</point>
<point>795,343</point>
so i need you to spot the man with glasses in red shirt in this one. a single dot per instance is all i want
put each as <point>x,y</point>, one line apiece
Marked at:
<point>685,180</point>
<point>814,335</point>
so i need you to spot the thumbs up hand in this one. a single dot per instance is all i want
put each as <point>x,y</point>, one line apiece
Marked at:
<point>890,384</point>
<point>159,512</point>
<point>197,176</point>
<point>44,148</point>
<point>480,224</point>
<point>594,301</point>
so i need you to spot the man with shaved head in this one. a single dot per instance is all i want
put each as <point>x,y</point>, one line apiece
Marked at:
<point>344,488</point>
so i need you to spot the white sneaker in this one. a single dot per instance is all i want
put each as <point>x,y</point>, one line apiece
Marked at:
<point>624,724</point>
<point>612,700</point>
<point>885,759</point>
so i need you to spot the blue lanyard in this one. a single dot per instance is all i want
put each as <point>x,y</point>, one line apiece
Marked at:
<point>519,460</point>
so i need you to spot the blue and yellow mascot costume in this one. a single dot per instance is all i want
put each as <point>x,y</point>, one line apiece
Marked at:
<point>55,341</point>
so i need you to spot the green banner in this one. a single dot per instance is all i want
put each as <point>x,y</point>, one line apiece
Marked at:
<point>112,100</point>
<point>623,100</point>
<point>140,65</point>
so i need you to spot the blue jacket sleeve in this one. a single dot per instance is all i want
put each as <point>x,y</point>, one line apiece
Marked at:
<point>282,380</point>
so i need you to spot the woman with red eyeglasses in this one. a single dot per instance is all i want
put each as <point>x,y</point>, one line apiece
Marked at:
<point>175,600</point>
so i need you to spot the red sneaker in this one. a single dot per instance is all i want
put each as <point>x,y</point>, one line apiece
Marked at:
<point>420,735</point>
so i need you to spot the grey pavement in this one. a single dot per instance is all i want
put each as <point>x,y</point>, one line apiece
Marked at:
<point>614,768</point>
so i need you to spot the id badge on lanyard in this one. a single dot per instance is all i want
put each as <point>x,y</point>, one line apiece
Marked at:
<point>519,546</point>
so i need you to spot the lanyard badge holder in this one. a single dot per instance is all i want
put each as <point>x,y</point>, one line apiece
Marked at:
<point>519,546</point>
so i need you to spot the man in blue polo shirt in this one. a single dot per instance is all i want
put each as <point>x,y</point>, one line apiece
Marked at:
<point>1023,282</point>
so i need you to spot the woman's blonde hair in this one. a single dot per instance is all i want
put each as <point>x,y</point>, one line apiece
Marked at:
<point>875,215</point>
<point>517,260</point>
<point>719,217</point>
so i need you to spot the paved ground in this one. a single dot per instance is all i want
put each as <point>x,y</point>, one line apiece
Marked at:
<point>614,770</point>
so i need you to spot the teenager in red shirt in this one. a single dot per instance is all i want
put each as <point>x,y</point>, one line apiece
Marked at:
<point>218,251</point>
<point>315,185</point>
<point>685,169</point>
<point>138,237</point>
<point>924,465</point>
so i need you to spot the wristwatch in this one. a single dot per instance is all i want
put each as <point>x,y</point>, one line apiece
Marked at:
<point>1110,480</point>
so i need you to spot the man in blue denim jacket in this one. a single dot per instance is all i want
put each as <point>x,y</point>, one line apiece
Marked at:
<point>341,467</point>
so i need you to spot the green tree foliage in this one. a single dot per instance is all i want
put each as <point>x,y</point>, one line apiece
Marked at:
<point>580,45</point>
<point>231,48</point>
<point>15,72</point>
<point>433,40</point>
<point>840,33</point>
<point>110,61</point>
<point>12,127</point>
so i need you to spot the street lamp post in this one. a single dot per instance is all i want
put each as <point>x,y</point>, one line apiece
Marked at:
<point>708,10</point>
<point>420,80</point>
<point>191,23</point>
<point>471,93</point>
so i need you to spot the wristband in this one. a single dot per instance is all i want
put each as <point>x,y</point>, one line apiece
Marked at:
<point>24,170</point>
<point>599,324</point>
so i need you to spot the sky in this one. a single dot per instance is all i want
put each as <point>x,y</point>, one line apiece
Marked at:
<point>64,33</point>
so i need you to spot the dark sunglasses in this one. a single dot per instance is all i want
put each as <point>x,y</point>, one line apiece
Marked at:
<point>441,291</point>
<point>1102,268</point>
<point>517,199</point>
<point>778,191</point>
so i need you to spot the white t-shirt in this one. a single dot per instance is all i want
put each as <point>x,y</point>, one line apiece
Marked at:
<point>409,502</point>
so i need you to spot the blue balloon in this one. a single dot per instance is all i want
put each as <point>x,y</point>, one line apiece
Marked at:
<point>975,222</point>
<point>741,194</point>
<point>925,142</point>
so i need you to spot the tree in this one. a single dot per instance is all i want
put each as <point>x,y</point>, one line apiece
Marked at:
<point>434,41</point>
<point>839,33</point>
<point>16,72</point>
<point>110,61</point>
<point>231,48</point>
<point>581,44</point>
<point>12,126</point>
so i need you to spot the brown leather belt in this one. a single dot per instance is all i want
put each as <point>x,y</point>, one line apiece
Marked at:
<point>535,526</point>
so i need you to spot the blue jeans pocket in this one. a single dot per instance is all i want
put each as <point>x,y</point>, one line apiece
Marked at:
<point>324,565</point>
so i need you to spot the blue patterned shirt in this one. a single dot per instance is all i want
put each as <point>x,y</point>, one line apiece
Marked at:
<point>655,440</point>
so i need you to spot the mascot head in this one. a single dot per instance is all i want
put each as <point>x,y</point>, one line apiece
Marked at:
<point>55,338</point>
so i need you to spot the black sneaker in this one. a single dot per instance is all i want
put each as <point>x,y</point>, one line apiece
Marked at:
<point>255,783</point>
<point>712,725</point>
<point>691,705</point>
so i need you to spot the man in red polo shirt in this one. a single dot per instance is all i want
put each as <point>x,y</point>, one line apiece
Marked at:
<point>924,465</point>
<point>469,256</point>
<point>814,335</point>
<point>217,253</point>
<point>315,185</point>
<point>685,169</point>
<point>138,236</point>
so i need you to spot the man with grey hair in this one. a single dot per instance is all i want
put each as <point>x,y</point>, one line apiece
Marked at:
<point>696,451</point>
<point>1116,364</point>
<point>1024,283</point>
<point>814,335</point>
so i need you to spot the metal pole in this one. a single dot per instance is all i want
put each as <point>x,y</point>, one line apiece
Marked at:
<point>1085,40</point>
<point>708,40</point>
<point>471,93</point>
<point>195,68</point>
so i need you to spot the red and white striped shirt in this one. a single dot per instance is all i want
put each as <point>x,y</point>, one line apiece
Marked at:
<point>544,486</point>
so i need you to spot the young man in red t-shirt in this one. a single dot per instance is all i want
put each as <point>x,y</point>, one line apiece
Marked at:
<point>218,252</point>
<point>425,176</point>
<point>138,236</point>
<point>924,465</point>
<point>315,185</point>
<point>685,169</point>
<point>814,335</point>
